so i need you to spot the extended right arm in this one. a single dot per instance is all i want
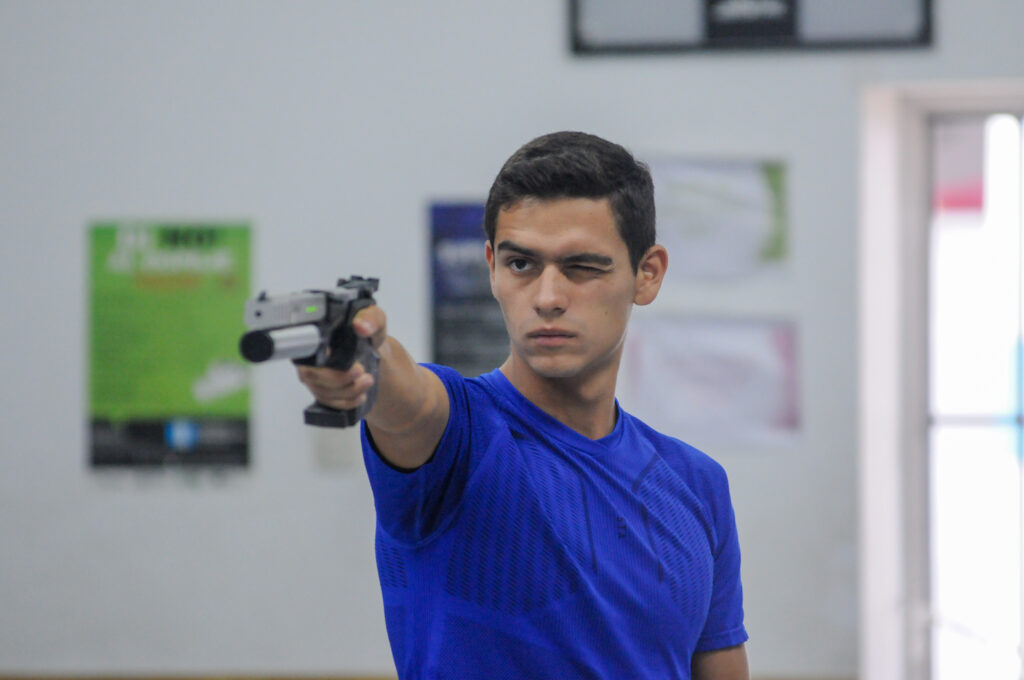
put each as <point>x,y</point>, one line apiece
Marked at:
<point>412,406</point>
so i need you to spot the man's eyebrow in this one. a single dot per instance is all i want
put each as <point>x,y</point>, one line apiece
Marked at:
<point>587,258</point>
<point>522,250</point>
<point>575,258</point>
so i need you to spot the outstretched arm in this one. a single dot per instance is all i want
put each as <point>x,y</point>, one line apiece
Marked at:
<point>412,406</point>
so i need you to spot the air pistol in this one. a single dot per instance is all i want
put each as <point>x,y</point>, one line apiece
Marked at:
<point>314,328</point>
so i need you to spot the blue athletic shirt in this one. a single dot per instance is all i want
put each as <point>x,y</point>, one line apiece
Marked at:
<point>525,550</point>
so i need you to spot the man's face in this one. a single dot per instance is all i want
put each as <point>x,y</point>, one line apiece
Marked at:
<point>561,273</point>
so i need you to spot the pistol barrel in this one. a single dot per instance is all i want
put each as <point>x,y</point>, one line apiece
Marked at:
<point>295,342</point>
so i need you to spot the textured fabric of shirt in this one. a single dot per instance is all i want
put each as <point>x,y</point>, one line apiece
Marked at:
<point>523,549</point>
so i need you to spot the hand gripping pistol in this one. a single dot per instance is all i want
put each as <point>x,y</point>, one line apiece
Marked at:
<point>314,328</point>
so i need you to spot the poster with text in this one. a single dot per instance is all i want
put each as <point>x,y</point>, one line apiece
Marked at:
<point>709,379</point>
<point>469,331</point>
<point>166,383</point>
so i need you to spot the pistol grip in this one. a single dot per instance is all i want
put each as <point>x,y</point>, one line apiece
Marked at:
<point>325,416</point>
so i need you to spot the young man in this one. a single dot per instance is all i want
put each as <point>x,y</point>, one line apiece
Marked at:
<point>527,526</point>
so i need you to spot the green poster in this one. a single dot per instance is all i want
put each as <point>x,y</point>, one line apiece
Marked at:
<point>166,382</point>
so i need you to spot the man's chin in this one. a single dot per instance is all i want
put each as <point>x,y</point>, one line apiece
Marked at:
<point>554,367</point>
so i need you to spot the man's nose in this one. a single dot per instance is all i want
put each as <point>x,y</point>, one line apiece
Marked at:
<point>551,293</point>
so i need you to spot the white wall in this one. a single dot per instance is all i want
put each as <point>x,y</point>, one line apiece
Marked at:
<point>331,126</point>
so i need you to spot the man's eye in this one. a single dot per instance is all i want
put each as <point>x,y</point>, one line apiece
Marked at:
<point>518,264</point>
<point>585,270</point>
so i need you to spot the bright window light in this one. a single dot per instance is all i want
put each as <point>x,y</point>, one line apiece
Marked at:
<point>977,399</point>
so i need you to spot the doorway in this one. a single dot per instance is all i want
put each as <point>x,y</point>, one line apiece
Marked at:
<point>940,396</point>
<point>976,410</point>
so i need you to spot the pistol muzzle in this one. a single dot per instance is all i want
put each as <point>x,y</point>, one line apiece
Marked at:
<point>297,342</point>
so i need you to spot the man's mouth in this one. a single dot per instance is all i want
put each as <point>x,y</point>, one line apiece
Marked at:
<point>551,332</point>
<point>550,336</point>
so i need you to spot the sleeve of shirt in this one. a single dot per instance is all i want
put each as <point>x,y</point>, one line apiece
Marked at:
<point>724,625</point>
<point>413,504</point>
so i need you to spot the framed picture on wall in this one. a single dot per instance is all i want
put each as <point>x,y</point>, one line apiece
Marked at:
<point>623,26</point>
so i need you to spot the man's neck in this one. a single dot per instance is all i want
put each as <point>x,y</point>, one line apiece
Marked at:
<point>584,404</point>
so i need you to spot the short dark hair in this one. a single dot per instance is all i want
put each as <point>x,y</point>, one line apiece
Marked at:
<point>579,165</point>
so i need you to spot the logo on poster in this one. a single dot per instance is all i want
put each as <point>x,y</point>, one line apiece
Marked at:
<point>135,250</point>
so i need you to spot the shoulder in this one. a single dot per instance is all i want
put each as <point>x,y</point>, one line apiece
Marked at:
<point>703,473</point>
<point>474,401</point>
<point>468,391</point>
<point>449,376</point>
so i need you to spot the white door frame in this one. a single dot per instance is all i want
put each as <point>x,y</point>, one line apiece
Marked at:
<point>895,641</point>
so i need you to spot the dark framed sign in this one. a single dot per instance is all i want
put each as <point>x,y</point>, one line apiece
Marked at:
<point>469,330</point>
<point>626,26</point>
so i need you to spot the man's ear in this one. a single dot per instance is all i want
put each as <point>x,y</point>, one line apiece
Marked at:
<point>650,273</point>
<point>489,256</point>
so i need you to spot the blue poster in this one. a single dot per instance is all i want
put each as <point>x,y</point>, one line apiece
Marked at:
<point>469,331</point>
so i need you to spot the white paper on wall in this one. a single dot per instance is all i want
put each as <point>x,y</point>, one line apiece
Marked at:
<point>720,219</point>
<point>713,379</point>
